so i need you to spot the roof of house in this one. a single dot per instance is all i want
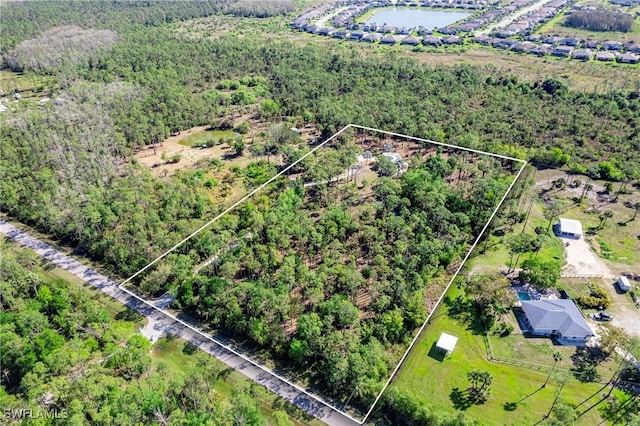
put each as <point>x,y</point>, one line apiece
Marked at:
<point>557,314</point>
<point>570,226</point>
<point>447,342</point>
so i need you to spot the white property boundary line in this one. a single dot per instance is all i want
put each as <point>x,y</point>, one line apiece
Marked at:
<point>259,188</point>
<point>475,243</point>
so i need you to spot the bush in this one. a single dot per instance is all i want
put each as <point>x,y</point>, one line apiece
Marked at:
<point>243,128</point>
<point>598,299</point>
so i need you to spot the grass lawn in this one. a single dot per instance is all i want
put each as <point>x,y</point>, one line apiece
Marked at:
<point>432,381</point>
<point>497,256</point>
<point>207,137</point>
<point>177,356</point>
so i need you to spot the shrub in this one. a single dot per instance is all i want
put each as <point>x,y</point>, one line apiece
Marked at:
<point>598,299</point>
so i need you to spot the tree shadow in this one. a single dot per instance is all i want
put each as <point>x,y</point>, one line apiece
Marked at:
<point>510,406</point>
<point>129,315</point>
<point>585,360</point>
<point>460,399</point>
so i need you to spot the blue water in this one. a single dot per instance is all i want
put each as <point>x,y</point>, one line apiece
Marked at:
<point>412,17</point>
<point>523,296</point>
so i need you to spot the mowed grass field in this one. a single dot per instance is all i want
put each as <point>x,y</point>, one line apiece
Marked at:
<point>432,381</point>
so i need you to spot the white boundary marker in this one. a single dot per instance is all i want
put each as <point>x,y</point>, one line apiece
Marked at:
<point>259,188</point>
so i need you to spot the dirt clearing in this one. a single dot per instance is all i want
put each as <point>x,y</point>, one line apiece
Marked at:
<point>581,261</point>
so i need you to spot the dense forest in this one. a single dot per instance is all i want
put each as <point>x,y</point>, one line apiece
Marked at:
<point>331,279</point>
<point>24,20</point>
<point>302,257</point>
<point>69,361</point>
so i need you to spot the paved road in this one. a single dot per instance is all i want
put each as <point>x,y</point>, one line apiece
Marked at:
<point>165,323</point>
<point>511,18</point>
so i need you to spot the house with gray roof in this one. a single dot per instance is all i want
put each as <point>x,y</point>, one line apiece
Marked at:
<point>605,56</point>
<point>371,37</point>
<point>411,41</point>
<point>556,318</point>
<point>562,51</point>
<point>582,54</point>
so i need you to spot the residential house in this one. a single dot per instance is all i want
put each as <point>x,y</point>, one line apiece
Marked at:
<point>557,318</point>
<point>605,56</point>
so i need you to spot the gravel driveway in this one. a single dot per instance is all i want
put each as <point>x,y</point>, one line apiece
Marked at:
<point>581,261</point>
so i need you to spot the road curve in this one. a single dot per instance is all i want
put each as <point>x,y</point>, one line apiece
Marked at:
<point>170,325</point>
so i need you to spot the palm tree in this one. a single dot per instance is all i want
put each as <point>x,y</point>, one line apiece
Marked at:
<point>557,357</point>
<point>604,216</point>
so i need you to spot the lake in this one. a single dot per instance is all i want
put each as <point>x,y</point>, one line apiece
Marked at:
<point>410,17</point>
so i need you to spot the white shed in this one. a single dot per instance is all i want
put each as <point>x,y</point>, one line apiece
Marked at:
<point>569,228</point>
<point>623,283</point>
<point>446,343</point>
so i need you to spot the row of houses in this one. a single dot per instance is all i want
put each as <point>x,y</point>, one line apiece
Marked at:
<point>539,49</point>
<point>629,54</point>
<point>527,22</point>
<point>484,19</point>
<point>591,43</point>
<point>351,9</point>
<point>359,35</point>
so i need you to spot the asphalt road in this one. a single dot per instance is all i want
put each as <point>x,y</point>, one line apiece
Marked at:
<point>513,17</point>
<point>169,325</point>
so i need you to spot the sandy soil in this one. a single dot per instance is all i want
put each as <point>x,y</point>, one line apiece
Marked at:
<point>581,261</point>
<point>170,147</point>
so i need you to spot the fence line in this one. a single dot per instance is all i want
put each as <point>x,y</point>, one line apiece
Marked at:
<point>527,364</point>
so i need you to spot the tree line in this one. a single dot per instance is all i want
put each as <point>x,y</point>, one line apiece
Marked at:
<point>601,20</point>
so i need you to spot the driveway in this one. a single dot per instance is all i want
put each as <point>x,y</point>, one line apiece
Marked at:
<point>581,261</point>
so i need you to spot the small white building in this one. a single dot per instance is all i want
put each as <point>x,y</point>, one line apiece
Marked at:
<point>623,283</point>
<point>569,228</point>
<point>446,343</point>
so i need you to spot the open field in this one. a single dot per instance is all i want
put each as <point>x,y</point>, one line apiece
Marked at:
<point>30,86</point>
<point>432,381</point>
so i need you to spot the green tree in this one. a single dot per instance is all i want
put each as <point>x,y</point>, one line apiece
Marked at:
<point>557,357</point>
<point>542,274</point>
<point>239,146</point>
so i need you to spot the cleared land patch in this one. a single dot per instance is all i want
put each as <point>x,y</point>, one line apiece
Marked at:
<point>325,276</point>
